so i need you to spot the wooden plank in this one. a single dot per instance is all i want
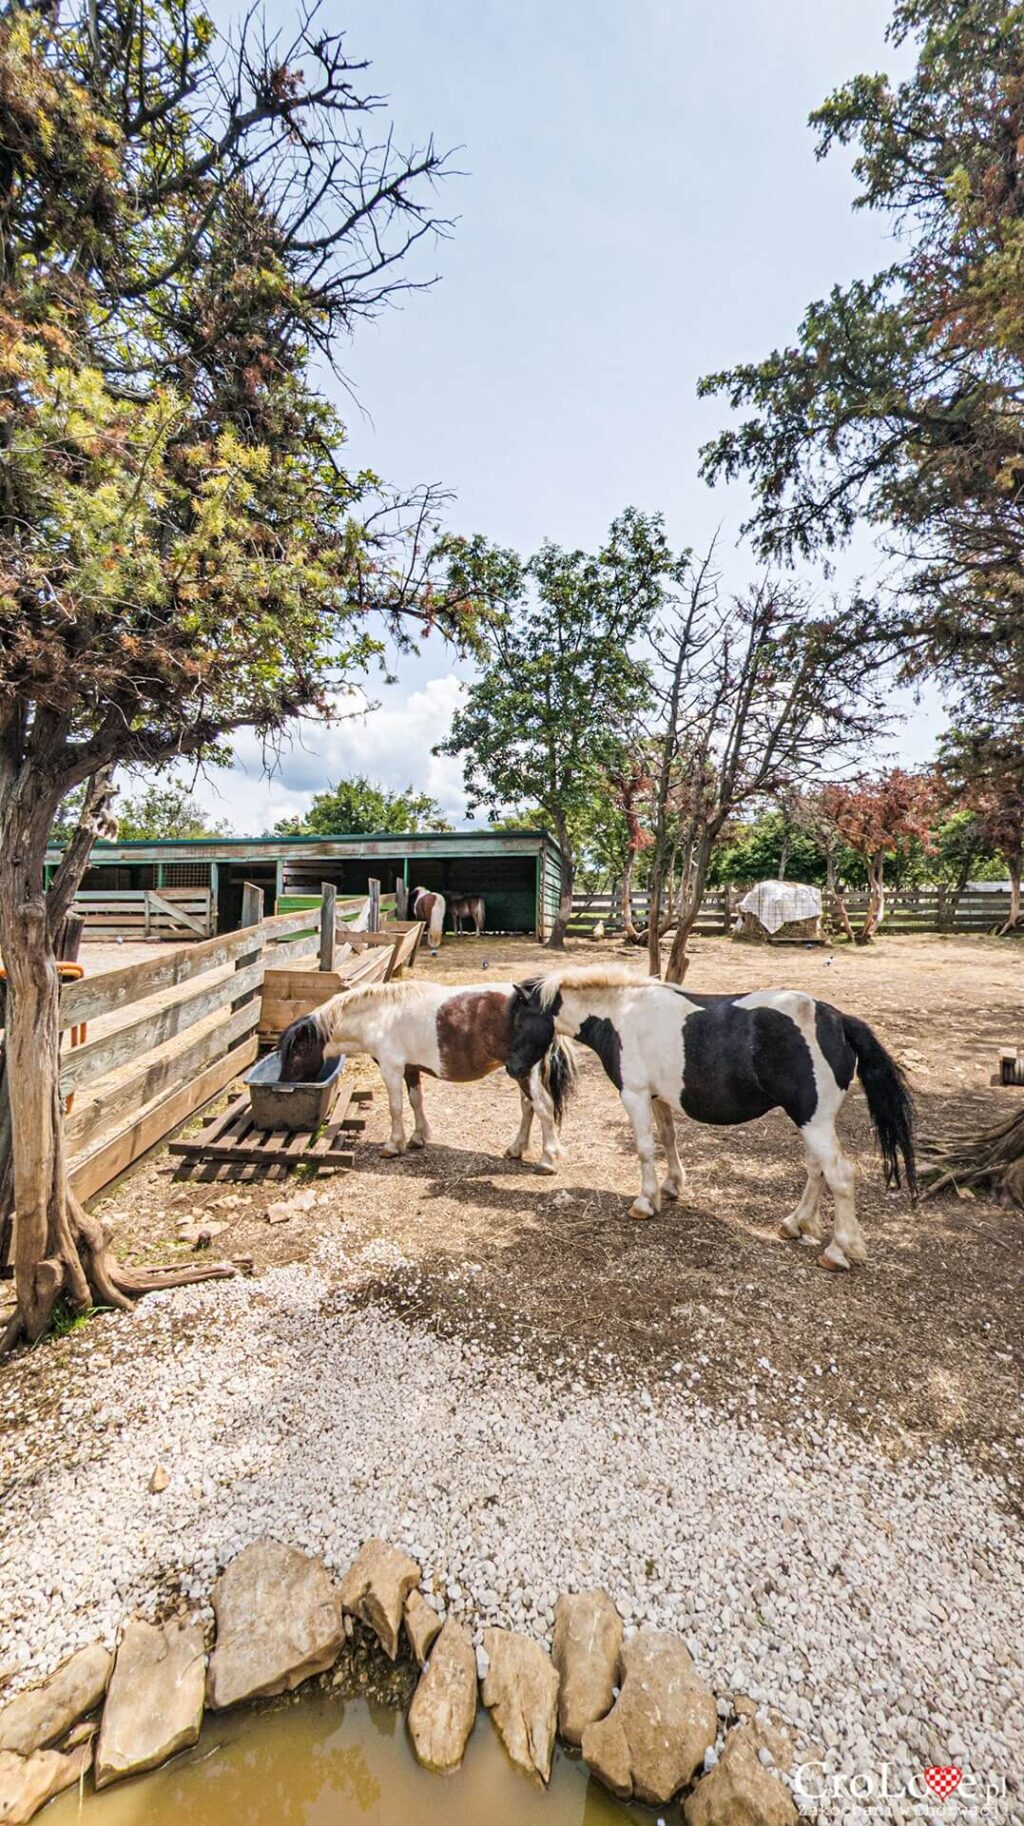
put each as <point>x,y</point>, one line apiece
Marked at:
<point>96,1170</point>
<point>304,947</point>
<point>98,995</point>
<point>155,1027</point>
<point>108,1106</point>
<point>177,914</point>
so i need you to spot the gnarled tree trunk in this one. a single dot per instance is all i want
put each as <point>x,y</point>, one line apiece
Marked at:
<point>1013,864</point>
<point>58,1248</point>
<point>875,913</point>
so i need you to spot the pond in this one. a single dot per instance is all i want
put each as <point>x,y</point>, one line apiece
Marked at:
<point>321,1761</point>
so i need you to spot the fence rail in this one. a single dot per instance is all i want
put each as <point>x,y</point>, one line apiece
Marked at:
<point>907,910</point>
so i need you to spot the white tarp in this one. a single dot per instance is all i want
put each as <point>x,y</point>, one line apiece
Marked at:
<point>775,903</point>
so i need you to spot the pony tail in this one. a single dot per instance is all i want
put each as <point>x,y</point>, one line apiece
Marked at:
<point>890,1105</point>
<point>435,931</point>
<point>558,1075</point>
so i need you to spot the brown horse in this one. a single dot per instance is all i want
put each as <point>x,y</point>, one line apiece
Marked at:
<point>430,907</point>
<point>467,906</point>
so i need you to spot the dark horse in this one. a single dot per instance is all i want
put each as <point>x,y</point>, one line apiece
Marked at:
<point>725,1059</point>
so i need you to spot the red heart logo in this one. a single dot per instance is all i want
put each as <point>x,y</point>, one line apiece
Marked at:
<point>943,1779</point>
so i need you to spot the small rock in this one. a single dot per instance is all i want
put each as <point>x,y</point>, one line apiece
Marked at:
<point>28,1782</point>
<point>443,1709</point>
<point>39,1717</point>
<point>284,1208</point>
<point>586,1648</point>
<point>155,1703</point>
<point>279,1620</point>
<point>655,1736</point>
<point>159,1481</point>
<point>375,1588</point>
<point>422,1625</point>
<point>740,1791</point>
<point>520,1691</point>
<point>81,1734</point>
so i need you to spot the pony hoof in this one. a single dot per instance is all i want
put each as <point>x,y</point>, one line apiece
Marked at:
<point>641,1207</point>
<point>391,1150</point>
<point>513,1153</point>
<point>418,1141</point>
<point>546,1166</point>
<point>834,1258</point>
<point>790,1229</point>
<point>856,1252</point>
<point>671,1190</point>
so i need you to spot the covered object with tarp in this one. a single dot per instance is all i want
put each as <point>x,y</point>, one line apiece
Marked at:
<point>779,910</point>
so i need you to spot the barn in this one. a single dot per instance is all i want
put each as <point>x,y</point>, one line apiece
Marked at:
<point>157,885</point>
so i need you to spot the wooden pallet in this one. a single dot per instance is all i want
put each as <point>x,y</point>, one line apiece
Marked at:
<point>231,1147</point>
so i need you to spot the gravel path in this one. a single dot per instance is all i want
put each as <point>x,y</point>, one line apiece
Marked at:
<point>877,1605</point>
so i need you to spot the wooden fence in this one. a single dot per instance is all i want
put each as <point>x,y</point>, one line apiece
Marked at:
<point>907,910</point>
<point>162,1037</point>
<point>146,913</point>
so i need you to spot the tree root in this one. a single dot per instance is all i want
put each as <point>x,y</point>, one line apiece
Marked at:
<point>990,1160</point>
<point>88,1274</point>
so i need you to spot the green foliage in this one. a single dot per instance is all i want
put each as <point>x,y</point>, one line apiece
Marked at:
<point>163,812</point>
<point>901,398</point>
<point>753,851</point>
<point>559,688</point>
<point>359,807</point>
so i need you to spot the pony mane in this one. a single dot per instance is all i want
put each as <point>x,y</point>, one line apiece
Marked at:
<point>590,976</point>
<point>375,992</point>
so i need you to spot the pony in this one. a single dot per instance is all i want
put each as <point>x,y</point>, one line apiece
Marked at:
<point>726,1059</point>
<point>459,1034</point>
<point>429,907</point>
<point>467,906</point>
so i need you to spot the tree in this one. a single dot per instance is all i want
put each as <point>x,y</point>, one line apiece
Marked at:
<point>185,224</point>
<point>755,849</point>
<point>560,689</point>
<point>752,696</point>
<point>902,398</point>
<point>162,812</point>
<point>359,807</point>
<point>876,814</point>
<point>984,768</point>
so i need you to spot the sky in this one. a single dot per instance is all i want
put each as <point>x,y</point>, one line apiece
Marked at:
<point>639,204</point>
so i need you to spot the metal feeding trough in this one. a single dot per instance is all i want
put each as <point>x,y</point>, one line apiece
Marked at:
<point>292,1106</point>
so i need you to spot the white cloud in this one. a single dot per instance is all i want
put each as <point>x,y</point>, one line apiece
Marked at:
<point>391,745</point>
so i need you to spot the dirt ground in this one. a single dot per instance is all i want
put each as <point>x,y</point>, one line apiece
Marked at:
<point>922,1344</point>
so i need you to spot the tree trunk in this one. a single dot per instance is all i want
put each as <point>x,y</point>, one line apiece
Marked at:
<point>1013,919</point>
<point>58,1249</point>
<point>837,900</point>
<point>629,930</point>
<point>690,898</point>
<point>557,940</point>
<point>876,900</point>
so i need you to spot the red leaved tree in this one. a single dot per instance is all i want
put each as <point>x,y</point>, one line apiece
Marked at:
<point>876,814</point>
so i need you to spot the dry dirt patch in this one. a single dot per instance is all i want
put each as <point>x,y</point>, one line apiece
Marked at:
<point>921,1344</point>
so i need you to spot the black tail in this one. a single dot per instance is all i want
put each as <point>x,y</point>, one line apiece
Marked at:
<point>558,1075</point>
<point>890,1104</point>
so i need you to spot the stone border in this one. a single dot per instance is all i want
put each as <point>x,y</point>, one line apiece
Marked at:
<point>646,1723</point>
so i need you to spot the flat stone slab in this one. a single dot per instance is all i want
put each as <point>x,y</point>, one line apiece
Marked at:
<point>586,1648</point>
<point>155,1700</point>
<point>375,1588</point>
<point>38,1717</point>
<point>28,1782</point>
<point>654,1738</point>
<point>520,1690</point>
<point>279,1621</point>
<point>443,1709</point>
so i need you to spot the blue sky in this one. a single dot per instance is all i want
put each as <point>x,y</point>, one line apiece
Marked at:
<point>640,204</point>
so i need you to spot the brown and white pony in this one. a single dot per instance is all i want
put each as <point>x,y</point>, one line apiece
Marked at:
<point>467,906</point>
<point>430,907</point>
<point>457,1034</point>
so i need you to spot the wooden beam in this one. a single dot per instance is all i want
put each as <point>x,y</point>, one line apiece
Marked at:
<point>328,935</point>
<point>176,913</point>
<point>155,1026</point>
<point>113,1157</point>
<point>97,995</point>
<point>373,919</point>
<point>103,1109</point>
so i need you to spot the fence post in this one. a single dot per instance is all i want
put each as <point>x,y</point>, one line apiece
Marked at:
<point>328,935</point>
<point>401,898</point>
<point>373,923</point>
<point>252,915</point>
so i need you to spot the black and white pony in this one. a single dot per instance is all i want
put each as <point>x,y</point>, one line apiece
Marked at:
<point>456,1033</point>
<point>726,1059</point>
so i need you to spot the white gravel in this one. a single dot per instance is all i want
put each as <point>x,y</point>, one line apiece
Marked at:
<point>878,1606</point>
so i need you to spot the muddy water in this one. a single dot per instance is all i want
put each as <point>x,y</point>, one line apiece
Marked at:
<point>332,1762</point>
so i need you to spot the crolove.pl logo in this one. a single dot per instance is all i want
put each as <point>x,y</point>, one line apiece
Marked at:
<point>815,1781</point>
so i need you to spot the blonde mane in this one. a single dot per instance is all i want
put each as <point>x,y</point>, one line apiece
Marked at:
<point>592,976</point>
<point>374,992</point>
